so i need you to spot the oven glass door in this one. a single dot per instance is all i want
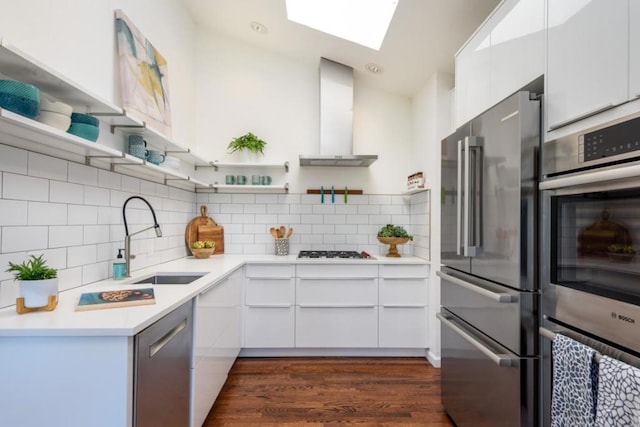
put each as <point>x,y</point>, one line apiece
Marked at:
<point>595,242</point>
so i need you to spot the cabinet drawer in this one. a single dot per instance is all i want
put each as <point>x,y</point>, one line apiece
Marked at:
<point>412,271</point>
<point>403,292</point>
<point>227,293</point>
<point>404,327</point>
<point>336,327</point>
<point>266,327</point>
<point>269,292</point>
<point>282,271</point>
<point>338,271</point>
<point>334,292</point>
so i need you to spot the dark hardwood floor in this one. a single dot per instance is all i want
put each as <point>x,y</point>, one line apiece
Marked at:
<point>329,391</point>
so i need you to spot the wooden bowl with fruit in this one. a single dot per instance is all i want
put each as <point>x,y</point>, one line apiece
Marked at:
<point>203,249</point>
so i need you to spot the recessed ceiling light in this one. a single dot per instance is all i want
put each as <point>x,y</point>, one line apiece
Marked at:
<point>361,21</point>
<point>374,68</point>
<point>259,28</point>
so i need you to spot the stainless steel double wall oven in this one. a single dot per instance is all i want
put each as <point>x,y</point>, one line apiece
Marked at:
<point>590,263</point>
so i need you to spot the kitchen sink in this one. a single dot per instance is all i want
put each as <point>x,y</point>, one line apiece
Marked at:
<point>170,278</point>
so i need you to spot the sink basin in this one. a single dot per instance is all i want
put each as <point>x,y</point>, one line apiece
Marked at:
<point>170,278</point>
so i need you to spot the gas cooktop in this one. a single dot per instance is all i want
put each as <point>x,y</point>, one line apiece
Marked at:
<point>333,254</point>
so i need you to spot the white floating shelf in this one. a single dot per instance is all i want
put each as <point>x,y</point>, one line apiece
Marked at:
<point>217,164</point>
<point>19,66</point>
<point>250,188</point>
<point>415,191</point>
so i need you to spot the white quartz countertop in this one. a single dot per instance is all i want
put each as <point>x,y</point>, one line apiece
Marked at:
<point>128,321</point>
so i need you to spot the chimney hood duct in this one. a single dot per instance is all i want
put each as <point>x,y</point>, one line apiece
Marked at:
<point>336,119</point>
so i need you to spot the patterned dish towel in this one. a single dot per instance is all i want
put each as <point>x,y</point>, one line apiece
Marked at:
<point>618,394</point>
<point>575,379</point>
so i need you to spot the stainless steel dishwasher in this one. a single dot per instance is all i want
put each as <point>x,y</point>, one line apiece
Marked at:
<point>163,371</point>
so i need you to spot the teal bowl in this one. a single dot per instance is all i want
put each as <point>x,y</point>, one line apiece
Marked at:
<point>19,105</point>
<point>84,130</point>
<point>84,118</point>
<point>24,90</point>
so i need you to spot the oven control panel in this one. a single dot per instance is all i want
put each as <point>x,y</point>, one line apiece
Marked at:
<point>610,141</point>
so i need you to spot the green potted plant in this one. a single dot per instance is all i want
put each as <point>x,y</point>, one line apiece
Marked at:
<point>248,142</point>
<point>36,281</point>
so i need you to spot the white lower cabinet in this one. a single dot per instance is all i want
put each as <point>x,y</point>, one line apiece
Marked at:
<point>217,342</point>
<point>269,306</point>
<point>403,306</point>
<point>336,306</point>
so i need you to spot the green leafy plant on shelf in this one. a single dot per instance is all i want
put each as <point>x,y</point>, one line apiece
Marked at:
<point>391,230</point>
<point>33,269</point>
<point>248,142</point>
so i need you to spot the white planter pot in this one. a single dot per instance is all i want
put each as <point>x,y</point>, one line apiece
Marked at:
<point>36,292</point>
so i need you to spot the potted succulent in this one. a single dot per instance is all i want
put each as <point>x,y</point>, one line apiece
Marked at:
<point>36,281</point>
<point>248,142</point>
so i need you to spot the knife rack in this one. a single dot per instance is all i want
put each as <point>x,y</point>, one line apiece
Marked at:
<point>336,191</point>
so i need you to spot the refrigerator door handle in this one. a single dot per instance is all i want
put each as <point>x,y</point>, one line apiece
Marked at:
<point>499,297</point>
<point>472,195</point>
<point>502,360</point>
<point>465,236</point>
<point>459,201</point>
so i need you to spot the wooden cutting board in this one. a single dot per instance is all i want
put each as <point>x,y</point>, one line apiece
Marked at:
<point>204,228</point>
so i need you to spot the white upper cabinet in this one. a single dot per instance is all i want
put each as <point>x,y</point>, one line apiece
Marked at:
<point>587,58</point>
<point>505,54</point>
<point>634,50</point>
<point>517,46</point>
<point>472,76</point>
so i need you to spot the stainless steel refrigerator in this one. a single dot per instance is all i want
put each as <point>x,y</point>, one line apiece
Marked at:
<point>489,289</point>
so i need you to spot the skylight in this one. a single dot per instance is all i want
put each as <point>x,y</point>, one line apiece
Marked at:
<point>361,21</point>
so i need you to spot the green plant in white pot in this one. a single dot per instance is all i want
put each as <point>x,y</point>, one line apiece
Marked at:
<point>36,281</point>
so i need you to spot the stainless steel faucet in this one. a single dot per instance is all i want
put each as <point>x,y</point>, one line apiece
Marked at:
<point>127,238</point>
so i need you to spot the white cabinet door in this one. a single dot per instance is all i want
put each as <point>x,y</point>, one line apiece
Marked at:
<point>217,341</point>
<point>473,65</point>
<point>269,306</point>
<point>634,49</point>
<point>337,327</point>
<point>403,306</point>
<point>587,58</point>
<point>517,46</point>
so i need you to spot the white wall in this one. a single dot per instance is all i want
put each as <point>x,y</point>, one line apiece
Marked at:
<point>431,123</point>
<point>77,39</point>
<point>243,88</point>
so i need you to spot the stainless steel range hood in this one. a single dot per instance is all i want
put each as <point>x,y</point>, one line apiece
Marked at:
<point>336,119</point>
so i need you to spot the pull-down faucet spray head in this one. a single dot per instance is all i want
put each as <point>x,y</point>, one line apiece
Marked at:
<point>127,238</point>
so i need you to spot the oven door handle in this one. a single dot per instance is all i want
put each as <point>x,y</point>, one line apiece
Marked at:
<point>459,201</point>
<point>592,177</point>
<point>502,360</point>
<point>503,298</point>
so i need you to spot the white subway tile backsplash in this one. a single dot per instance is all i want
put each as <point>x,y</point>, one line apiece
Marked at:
<point>358,199</point>
<point>369,209</point>
<point>267,198</point>
<point>69,278</point>
<point>309,199</point>
<point>334,238</point>
<point>8,293</point>
<point>130,184</point>
<point>243,198</point>
<point>82,174</point>
<point>301,209</point>
<point>232,208</point>
<point>6,258</point>
<point>255,209</point>
<point>289,219</point>
<point>47,167</point>
<point>63,236</point>
<point>289,199</point>
<point>255,229</point>
<point>82,214</point>
<point>233,228</point>
<point>243,219</point>
<point>310,239</point>
<point>162,190</point>
<point>391,209</point>
<point>347,209</point>
<point>323,229</point>
<point>64,192</point>
<point>358,219</point>
<point>311,219</point>
<point>16,239</point>
<point>82,255</point>
<point>96,234</point>
<point>324,208</point>
<point>13,212</point>
<point>41,213</point>
<point>379,199</point>
<point>335,219</point>
<point>109,180</point>
<point>277,209</point>
<point>97,196</point>
<point>13,160</point>
<point>95,272</point>
<point>21,187</point>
